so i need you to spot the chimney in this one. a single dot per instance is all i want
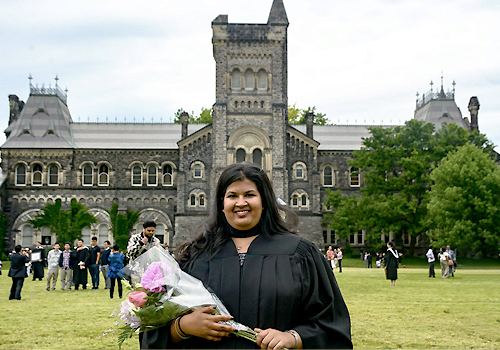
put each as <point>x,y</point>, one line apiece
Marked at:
<point>184,123</point>
<point>474,109</point>
<point>309,124</point>
<point>16,107</point>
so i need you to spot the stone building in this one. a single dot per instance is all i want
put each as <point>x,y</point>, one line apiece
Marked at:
<point>168,172</point>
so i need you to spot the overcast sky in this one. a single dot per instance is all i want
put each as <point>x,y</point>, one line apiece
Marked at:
<point>359,61</point>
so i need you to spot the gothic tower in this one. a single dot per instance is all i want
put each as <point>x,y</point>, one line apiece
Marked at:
<point>250,112</point>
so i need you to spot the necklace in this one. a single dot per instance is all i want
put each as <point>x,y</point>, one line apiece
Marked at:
<point>241,246</point>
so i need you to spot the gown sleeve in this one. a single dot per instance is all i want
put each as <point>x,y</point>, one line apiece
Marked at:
<point>324,321</point>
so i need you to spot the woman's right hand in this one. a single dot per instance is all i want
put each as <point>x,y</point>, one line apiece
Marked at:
<point>202,323</point>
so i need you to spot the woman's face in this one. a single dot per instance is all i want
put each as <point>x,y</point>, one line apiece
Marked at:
<point>242,205</point>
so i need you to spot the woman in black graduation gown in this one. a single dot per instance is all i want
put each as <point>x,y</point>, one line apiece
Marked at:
<point>269,279</point>
<point>391,263</point>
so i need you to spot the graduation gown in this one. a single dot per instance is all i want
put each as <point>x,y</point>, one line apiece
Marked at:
<point>80,275</point>
<point>284,283</point>
<point>391,264</point>
<point>37,267</point>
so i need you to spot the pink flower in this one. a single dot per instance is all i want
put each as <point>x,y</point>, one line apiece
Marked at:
<point>137,298</point>
<point>154,277</point>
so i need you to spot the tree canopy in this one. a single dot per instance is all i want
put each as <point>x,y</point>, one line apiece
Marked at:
<point>122,224</point>
<point>204,117</point>
<point>464,201</point>
<point>298,116</point>
<point>396,163</point>
<point>66,224</point>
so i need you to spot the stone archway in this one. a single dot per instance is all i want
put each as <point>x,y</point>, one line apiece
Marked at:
<point>159,217</point>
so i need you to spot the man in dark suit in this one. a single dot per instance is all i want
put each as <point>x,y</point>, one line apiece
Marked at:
<point>18,272</point>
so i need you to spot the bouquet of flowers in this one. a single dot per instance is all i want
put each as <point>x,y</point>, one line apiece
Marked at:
<point>159,292</point>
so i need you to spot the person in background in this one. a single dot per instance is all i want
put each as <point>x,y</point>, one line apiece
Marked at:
<point>443,261</point>
<point>340,255</point>
<point>53,266</point>
<point>67,264</point>
<point>37,266</point>
<point>143,241</point>
<point>431,260</point>
<point>94,255</point>
<point>81,259</point>
<point>114,274</point>
<point>330,255</point>
<point>105,264</point>
<point>453,258</point>
<point>369,260</point>
<point>17,271</point>
<point>391,263</point>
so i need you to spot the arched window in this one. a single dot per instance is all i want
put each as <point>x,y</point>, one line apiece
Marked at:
<point>304,200</point>
<point>87,176</point>
<point>240,155</point>
<point>197,171</point>
<point>36,177</point>
<point>103,178</point>
<point>299,171</point>
<point>193,200</point>
<point>300,199</point>
<point>86,235</point>
<point>168,176</point>
<point>102,234</point>
<point>249,80</point>
<point>354,177</point>
<point>327,176</point>
<point>53,175</point>
<point>262,78</point>
<point>236,79</point>
<point>295,200</point>
<point>137,176</point>
<point>197,199</point>
<point>21,175</point>
<point>257,157</point>
<point>202,200</point>
<point>27,235</point>
<point>152,175</point>
<point>160,233</point>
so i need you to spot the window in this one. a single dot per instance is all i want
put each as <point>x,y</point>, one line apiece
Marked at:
<point>197,199</point>
<point>299,172</point>
<point>197,171</point>
<point>236,79</point>
<point>27,235</point>
<point>360,237</point>
<point>21,175</point>
<point>240,155</point>
<point>53,175</point>
<point>87,175</point>
<point>262,80</point>
<point>202,200</point>
<point>103,234</point>
<point>103,178</point>
<point>327,176</point>
<point>137,176</point>
<point>304,200</point>
<point>300,200</point>
<point>352,239</point>
<point>249,80</point>
<point>152,175</point>
<point>257,157</point>
<point>168,175</point>
<point>193,200</point>
<point>160,233</point>
<point>354,177</point>
<point>295,200</point>
<point>86,235</point>
<point>36,179</point>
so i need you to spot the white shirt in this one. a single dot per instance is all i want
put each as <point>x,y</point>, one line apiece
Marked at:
<point>430,256</point>
<point>443,256</point>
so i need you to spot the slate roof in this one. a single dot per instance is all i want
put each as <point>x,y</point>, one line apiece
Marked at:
<point>337,137</point>
<point>441,111</point>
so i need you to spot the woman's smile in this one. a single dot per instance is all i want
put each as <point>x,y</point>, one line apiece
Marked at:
<point>242,205</point>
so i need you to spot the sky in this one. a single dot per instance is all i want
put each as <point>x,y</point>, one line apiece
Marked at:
<point>359,62</point>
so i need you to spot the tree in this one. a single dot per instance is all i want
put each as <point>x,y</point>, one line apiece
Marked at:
<point>122,224</point>
<point>66,224</point>
<point>464,201</point>
<point>298,116</point>
<point>204,117</point>
<point>396,165</point>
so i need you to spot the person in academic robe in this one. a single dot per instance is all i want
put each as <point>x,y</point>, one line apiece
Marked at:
<point>391,263</point>
<point>17,271</point>
<point>37,266</point>
<point>269,278</point>
<point>81,258</point>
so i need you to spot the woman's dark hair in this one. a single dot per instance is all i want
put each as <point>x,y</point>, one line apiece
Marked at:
<point>215,235</point>
<point>391,244</point>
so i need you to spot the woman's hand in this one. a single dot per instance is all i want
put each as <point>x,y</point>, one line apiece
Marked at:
<point>274,339</point>
<point>202,323</point>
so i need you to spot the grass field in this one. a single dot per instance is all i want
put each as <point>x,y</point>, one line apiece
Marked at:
<point>419,313</point>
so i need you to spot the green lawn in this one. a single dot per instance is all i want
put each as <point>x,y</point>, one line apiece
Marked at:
<point>419,313</point>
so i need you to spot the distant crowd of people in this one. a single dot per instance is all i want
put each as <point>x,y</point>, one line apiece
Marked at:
<point>73,265</point>
<point>447,260</point>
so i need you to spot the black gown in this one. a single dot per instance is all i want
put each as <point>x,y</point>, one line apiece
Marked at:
<point>391,264</point>
<point>283,284</point>
<point>80,275</point>
<point>37,266</point>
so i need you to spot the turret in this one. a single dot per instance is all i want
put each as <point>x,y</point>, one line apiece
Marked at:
<point>309,124</point>
<point>474,109</point>
<point>184,123</point>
